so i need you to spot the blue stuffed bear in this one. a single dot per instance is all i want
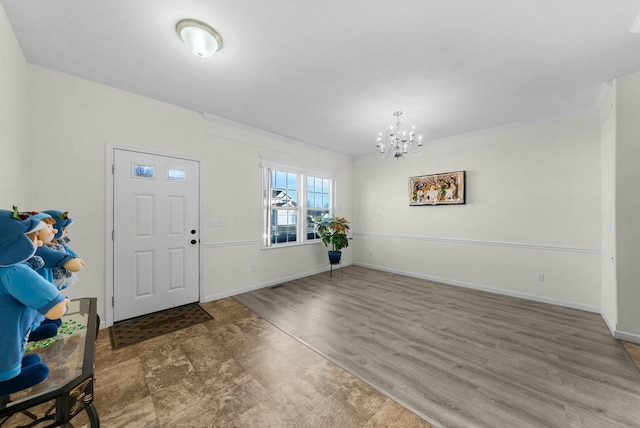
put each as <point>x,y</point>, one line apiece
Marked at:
<point>24,297</point>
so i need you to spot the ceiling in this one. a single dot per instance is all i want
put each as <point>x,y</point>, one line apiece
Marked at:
<point>331,72</point>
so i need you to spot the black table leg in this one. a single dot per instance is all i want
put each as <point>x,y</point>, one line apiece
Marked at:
<point>94,420</point>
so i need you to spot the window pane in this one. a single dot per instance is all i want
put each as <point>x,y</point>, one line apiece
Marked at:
<point>176,174</point>
<point>311,226</point>
<point>282,194</point>
<point>292,181</point>
<point>318,203</point>
<point>284,228</point>
<point>314,214</point>
<point>280,180</point>
<point>280,198</point>
<point>145,171</point>
<point>315,192</point>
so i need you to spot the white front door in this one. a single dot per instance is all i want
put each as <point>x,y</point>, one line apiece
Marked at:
<point>156,237</point>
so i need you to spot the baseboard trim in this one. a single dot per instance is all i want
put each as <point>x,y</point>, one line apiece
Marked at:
<point>629,337</point>
<point>271,283</point>
<point>619,334</point>
<point>533,297</point>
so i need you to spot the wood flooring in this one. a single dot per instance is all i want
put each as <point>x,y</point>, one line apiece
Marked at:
<point>460,357</point>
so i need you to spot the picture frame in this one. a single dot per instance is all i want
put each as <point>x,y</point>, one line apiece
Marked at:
<point>437,189</point>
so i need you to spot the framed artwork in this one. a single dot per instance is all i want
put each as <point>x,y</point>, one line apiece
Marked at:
<point>437,189</point>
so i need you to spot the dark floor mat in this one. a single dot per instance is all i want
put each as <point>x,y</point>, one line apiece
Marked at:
<point>136,330</point>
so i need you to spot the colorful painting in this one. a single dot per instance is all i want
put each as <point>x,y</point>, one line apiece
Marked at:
<point>437,189</point>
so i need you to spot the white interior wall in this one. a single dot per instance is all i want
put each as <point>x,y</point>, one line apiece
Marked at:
<point>532,198</point>
<point>609,304</point>
<point>235,251</point>
<point>533,206</point>
<point>14,167</point>
<point>73,120</point>
<point>627,205</point>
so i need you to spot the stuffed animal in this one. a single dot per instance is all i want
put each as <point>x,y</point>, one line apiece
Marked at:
<point>63,276</point>
<point>68,276</point>
<point>54,264</point>
<point>23,296</point>
<point>42,328</point>
<point>62,223</point>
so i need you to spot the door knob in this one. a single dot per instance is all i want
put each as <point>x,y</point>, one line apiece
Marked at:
<point>193,241</point>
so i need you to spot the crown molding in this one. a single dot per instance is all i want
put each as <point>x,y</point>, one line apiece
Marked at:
<point>568,114</point>
<point>270,134</point>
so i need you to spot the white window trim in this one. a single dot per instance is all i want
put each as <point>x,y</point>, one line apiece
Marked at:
<point>298,168</point>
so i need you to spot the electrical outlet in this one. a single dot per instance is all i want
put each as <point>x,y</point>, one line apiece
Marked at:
<point>540,277</point>
<point>216,222</point>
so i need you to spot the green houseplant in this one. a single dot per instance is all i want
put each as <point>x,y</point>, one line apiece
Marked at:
<point>333,232</point>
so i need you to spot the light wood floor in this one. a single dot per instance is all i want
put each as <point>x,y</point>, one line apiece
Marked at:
<point>459,357</point>
<point>236,370</point>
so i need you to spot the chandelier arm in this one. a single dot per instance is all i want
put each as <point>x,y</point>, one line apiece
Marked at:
<point>399,141</point>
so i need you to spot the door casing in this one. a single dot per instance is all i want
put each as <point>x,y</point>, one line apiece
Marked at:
<point>109,223</point>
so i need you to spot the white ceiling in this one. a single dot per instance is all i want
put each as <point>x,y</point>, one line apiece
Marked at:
<point>332,72</point>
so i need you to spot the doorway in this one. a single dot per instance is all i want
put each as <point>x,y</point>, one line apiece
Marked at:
<point>155,236</point>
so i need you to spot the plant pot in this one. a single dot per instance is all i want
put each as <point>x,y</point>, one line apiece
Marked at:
<point>334,257</point>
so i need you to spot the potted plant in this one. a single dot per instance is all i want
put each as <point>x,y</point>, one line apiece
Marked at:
<point>333,233</point>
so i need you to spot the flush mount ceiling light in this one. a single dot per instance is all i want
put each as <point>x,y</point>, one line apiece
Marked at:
<point>200,38</point>
<point>399,141</point>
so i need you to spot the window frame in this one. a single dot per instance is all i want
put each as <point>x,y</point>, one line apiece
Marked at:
<point>302,210</point>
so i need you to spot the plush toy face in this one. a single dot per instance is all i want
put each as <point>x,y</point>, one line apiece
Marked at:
<point>62,221</point>
<point>46,235</point>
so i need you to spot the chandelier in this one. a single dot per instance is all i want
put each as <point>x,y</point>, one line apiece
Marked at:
<point>399,142</point>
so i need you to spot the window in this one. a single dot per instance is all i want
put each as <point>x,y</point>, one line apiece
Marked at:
<point>142,171</point>
<point>292,200</point>
<point>176,174</point>
<point>318,202</point>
